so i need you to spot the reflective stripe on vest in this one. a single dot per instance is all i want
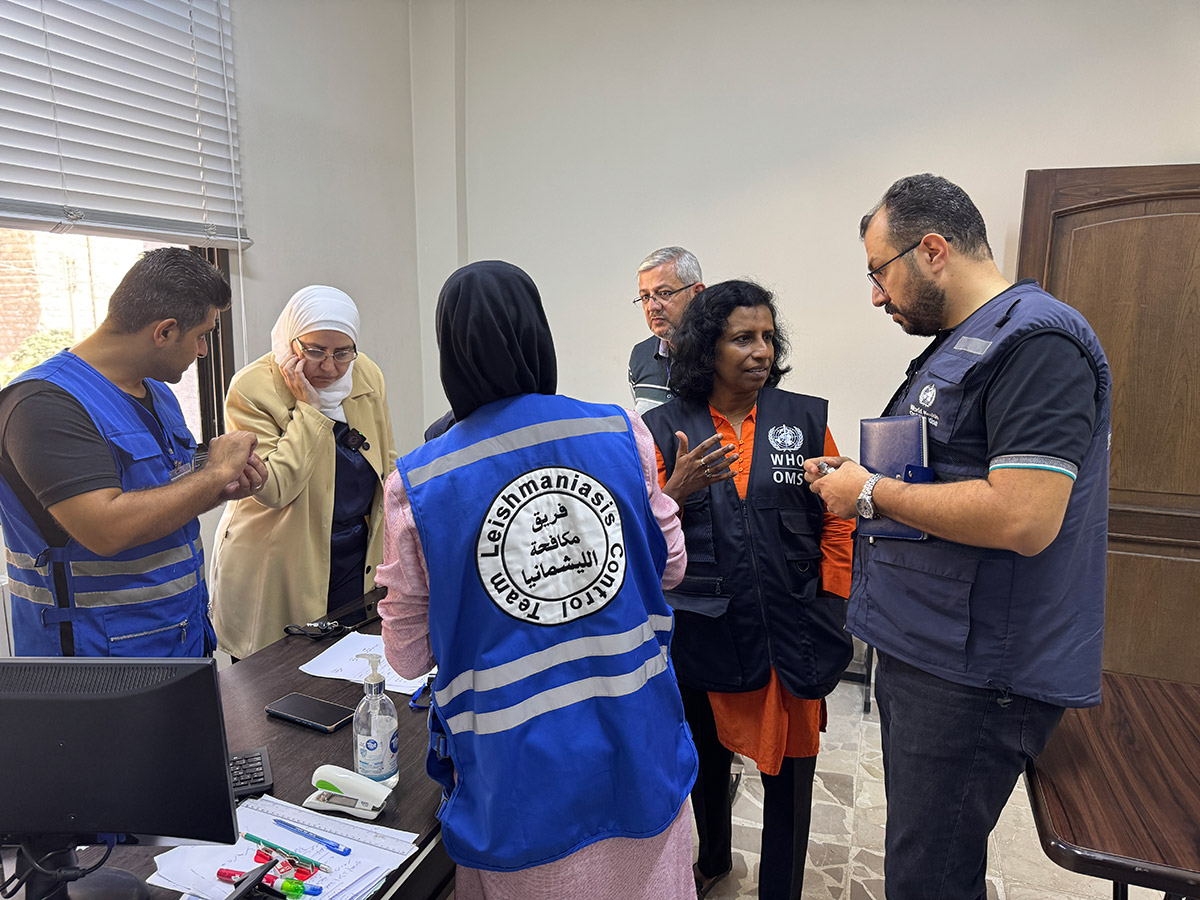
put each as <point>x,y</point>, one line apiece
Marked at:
<point>108,568</point>
<point>526,666</point>
<point>516,439</point>
<point>557,698</point>
<point>31,593</point>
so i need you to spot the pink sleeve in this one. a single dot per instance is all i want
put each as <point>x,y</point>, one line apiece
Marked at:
<point>665,509</point>
<point>405,610</point>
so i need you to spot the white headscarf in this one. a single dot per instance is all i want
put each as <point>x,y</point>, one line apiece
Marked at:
<point>318,308</point>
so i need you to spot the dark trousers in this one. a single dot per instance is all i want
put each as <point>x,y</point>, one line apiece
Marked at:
<point>787,808</point>
<point>787,813</point>
<point>710,794</point>
<point>951,756</point>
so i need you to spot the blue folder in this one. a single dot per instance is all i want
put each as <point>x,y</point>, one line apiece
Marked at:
<point>895,447</point>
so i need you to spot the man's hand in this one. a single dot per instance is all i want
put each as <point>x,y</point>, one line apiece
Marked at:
<point>698,468</point>
<point>1012,509</point>
<point>110,521</point>
<point>840,487</point>
<point>252,479</point>
<point>229,454</point>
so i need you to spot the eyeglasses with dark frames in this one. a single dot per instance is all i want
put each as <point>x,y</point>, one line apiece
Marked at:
<point>875,271</point>
<point>320,354</point>
<point>661,296</point>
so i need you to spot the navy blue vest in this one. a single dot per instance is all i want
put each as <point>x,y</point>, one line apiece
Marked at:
<point>149,600</point>
<point>751,596</point>
<point>982,617</point>
<point>556,721</point>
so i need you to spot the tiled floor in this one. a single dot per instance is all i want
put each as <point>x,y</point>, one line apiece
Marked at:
<point>845,851</point>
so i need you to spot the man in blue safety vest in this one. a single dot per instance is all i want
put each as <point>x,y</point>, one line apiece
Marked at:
<point>99,487</point>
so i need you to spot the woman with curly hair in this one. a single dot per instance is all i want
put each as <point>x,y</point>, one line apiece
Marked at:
<point>759,636</point>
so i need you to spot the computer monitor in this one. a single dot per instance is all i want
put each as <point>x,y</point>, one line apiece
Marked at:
<point>103,746</point>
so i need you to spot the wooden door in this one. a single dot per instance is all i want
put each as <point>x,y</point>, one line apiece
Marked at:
<point>1122,245</point>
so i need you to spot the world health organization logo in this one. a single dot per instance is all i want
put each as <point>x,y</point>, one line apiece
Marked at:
<point>551,549</point>
<point>928,394</point>
<point>786,437</point>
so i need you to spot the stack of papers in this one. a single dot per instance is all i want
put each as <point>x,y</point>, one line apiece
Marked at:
<point>374,852</point>
<point>341,661</point>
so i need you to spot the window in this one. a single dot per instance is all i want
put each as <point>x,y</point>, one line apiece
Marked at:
<point>118,133</point>
<point>54,291</point>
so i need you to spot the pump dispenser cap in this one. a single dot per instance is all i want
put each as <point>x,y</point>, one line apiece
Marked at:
<point>373,683</point>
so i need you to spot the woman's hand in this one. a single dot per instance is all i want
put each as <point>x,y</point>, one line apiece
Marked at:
<point>293,376</point>
<point>697,469</point>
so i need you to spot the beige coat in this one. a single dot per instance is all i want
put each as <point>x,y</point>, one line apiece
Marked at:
<point>270,565</point>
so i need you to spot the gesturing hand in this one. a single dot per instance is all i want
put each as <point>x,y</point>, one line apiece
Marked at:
<point>697,469</point>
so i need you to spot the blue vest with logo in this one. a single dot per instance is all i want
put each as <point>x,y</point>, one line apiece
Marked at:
<point>751,600</point>
<point>1033,626</point>
<point>149,600</point>
<point>556,721</point>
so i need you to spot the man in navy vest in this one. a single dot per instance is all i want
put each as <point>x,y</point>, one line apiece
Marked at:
<point>99,493</point>
<point>992,625</point>
<point>667,281</point>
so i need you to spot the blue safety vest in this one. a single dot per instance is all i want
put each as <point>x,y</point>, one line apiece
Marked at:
<point>149,600</point>
<point>981,617</point>
<point>556,721</point>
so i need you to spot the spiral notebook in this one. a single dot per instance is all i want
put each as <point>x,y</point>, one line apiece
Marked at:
<point>895,447</point>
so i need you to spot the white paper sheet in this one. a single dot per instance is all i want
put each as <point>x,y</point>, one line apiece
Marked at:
<point>375,851</point>
<point>340,661</point>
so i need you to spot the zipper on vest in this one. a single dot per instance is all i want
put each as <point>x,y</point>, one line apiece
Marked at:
<point>757,583</point>
<point>182,626</point>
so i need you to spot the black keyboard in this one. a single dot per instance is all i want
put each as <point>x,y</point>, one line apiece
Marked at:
<point>251,772</point>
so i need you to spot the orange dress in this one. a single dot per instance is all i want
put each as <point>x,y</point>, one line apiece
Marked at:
<point>768,724</point>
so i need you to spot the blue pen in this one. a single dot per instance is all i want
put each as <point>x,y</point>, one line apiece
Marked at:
<point>324,842</point>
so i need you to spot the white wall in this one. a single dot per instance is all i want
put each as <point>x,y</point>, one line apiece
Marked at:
<point>385,142</point>
<point>756,134</point>
<point>327,171</point>
<point>326,142</point>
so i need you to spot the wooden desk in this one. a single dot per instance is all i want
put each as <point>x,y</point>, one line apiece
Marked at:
<point>295,751</point>
<point>1116,794</point>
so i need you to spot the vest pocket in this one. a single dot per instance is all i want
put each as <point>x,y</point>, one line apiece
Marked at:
<point>173,629</point>
<point>802,575</point>
<point>138,455</point>
<point>945,376</point>
<point>801,552</point>
<point>920,600</point>
<point>702,647</point>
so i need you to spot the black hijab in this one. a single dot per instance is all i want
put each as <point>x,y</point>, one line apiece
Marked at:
<point>493,337</point>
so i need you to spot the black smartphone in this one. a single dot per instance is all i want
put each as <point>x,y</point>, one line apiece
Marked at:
<point>305,710</point>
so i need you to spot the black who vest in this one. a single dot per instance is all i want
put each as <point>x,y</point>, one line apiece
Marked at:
<point>751,597</point>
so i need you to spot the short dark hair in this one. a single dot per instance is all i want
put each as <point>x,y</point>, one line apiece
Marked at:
<point>694,343</point>
<point>168,283</point>
<point>920,204</point>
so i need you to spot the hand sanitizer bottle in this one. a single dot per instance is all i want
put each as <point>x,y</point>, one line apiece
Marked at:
<point>375,735</point>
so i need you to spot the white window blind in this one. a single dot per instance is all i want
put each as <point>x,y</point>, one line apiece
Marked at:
<point>119,118</point>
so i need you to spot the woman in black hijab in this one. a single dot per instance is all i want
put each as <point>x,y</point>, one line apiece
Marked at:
<point>493,337</point>
<point>526,552</point>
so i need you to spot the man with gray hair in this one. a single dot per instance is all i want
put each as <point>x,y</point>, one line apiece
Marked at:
<point>667,281</point>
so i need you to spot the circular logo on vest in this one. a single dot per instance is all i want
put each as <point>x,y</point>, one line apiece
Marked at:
<point>786,437</point>
<point>550,549</point>
<point>928,394</point>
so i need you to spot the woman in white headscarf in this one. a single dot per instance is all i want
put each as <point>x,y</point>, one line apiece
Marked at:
<point>311,539</point>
